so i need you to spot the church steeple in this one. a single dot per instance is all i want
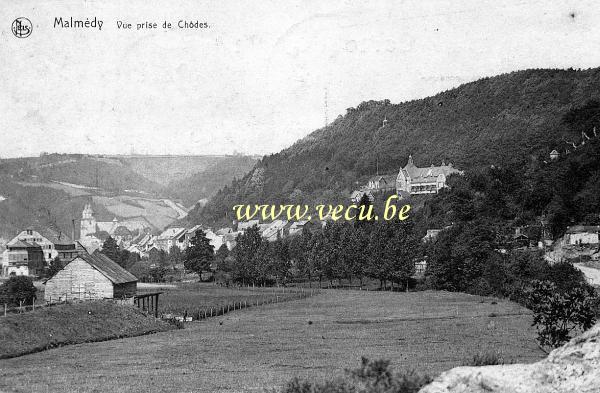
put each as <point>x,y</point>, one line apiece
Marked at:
<point>88,212</point>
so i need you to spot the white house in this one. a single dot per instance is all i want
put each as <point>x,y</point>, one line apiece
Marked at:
<point>581,234</point>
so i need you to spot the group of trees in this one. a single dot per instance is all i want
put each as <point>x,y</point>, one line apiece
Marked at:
<point>385,251</point>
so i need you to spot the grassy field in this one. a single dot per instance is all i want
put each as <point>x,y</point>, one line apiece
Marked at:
<point>65,324</point>
<point>199,298</point>
<point>251,349</point>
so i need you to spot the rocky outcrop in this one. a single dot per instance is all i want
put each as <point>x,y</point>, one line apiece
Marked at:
<point>574,367</point>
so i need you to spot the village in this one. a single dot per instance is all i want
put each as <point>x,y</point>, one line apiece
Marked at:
<point>33,251</point>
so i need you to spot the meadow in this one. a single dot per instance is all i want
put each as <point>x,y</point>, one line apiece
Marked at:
<point>263,347</point>
<point>200,300</point>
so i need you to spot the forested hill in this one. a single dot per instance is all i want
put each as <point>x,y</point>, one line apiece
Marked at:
<point>506,120</point>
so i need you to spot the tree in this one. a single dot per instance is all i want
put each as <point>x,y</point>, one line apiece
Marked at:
<point>18,289</point>
<point>175,256</point>
<point>55,266</point>
<point>220,256</point>
<point>557,314</point>
<point>246,254</point>
<point>200,254</point>
<point>158,273</point>
<point>111,249</point>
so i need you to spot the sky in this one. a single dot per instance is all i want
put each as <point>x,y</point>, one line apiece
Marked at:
<point>255,80</point>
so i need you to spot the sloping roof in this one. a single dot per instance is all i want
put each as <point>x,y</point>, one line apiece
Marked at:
<point>274,228</point>
<point>171,233</point>
<point>427,174</point>
<point>387,179</point>
<point>22,244</point>
<point>583,229</point>
<point>430,174</point>
<point>110,269</point>
<point>53,236</point>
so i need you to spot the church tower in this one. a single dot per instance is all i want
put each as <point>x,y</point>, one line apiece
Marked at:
<point>88,222</point>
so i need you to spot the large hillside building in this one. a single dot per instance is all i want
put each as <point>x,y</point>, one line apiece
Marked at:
<point>414,180</point>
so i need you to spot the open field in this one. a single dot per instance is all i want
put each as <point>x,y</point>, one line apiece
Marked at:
<point>266,346</point>
<point>197,298</point>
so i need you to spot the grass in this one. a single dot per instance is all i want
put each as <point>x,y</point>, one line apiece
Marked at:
<point>265,347</point>
<point>65,324</point>
<point>196,299</point>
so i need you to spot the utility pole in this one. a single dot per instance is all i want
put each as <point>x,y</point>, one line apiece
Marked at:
<point>326,117</point>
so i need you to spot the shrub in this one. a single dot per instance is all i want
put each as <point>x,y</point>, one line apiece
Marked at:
<point>557,314</point>
<point>486,359</point>
<point>18,289</point>
<point>371,377</point>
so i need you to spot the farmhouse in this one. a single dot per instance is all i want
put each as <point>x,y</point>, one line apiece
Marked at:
<point>582,234</point>
<point>52,243</point>
<point>171,237</point>
<point>382,183</point>
<point>23,259</point>
<point>90,277</point>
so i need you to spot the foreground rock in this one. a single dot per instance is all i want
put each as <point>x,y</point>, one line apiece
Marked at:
<point>572,368</point>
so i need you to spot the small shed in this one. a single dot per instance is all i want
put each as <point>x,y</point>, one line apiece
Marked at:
<point>91,277</point>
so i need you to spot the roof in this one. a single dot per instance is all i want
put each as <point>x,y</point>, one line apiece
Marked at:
<point>109,268</point>
<point>388,179</point>
<point>194,229</point>
<point>53,236</point>
<point>22,244</point>
<point>171,233</point>
<point>274,228</point>
<point>583,229</point>
<point>426,175</point>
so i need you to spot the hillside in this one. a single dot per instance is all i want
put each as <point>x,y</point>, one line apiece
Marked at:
<point>174,170</point>
<point>506,120</point>
<point>65,324</point>
<point>210,180</point>
<point>51,190</point>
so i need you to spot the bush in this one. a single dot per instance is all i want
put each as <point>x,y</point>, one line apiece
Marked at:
<point>18,289</point>
<point>486,359</point>
<point>557,314</point>
<point>371,377</point>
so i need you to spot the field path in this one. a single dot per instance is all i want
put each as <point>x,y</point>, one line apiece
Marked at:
<point>591,274</point>
<point>266,346</point>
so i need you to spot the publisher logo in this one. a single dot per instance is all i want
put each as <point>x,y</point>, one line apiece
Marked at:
<point>22,27</point>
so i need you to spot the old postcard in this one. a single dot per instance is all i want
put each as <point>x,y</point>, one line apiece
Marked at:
<point>300,196</point>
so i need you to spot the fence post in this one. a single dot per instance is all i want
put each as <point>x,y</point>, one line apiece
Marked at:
<point>33,305</point>
<point>4,309</point>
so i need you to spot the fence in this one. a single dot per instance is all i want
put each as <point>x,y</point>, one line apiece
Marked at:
<point>21,308</point>
<point>277,295</point>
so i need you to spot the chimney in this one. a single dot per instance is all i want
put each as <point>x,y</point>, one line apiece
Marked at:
<point>73,229</point>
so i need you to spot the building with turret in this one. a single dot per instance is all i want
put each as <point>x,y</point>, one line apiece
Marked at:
<point>414,180</point>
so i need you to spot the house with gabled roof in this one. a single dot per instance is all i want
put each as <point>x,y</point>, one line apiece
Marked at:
<point>171,237</point>
<point>90,277</point>
<point>382,183</point>
<point>414,180</point>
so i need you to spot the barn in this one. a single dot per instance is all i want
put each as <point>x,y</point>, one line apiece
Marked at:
<point>90,277</point>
